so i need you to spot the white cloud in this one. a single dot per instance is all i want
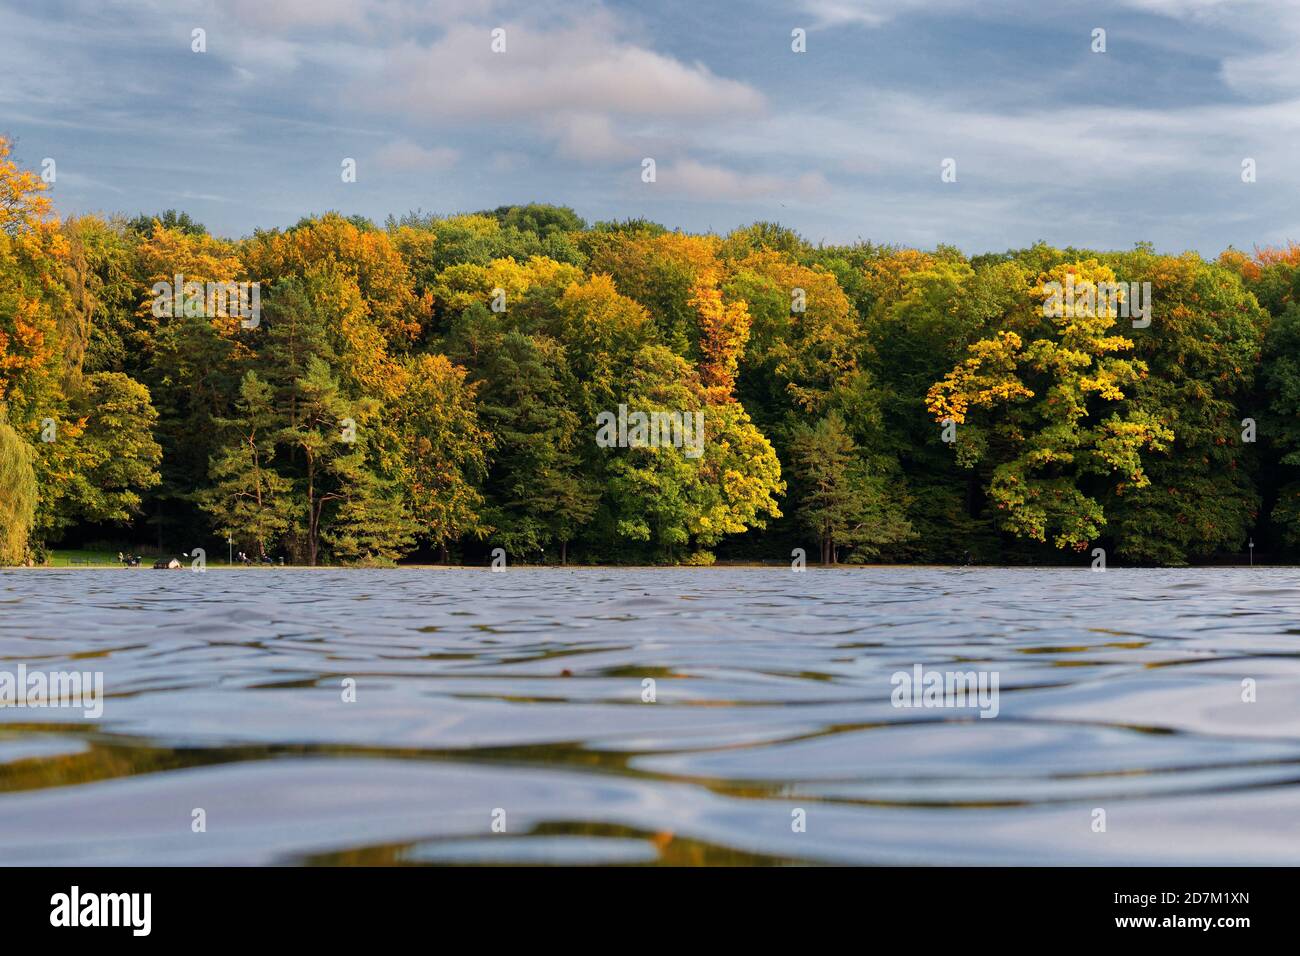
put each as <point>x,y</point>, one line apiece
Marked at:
<point>82,182</point>
<point>868,13</point>
<point>502,161</point>
<point>580,68</point>
<point>297,14</point>
<point>705,181</point>
<point>591,137</point>
<point>901,138</point>
<point>413,85</point>
<point>371,16</point>
<point>595,94</point>
<point>875,13</point>
<point>1264,74</point>
<point>402,156</point>
<point>1187,8</point>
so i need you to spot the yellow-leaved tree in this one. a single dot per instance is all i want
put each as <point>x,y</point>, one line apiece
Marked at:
<point>1041,408</point>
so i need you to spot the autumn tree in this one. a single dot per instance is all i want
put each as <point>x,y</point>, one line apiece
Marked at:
<point>33,255</point>
<point>680,500</point>
<point>724,330</point>
<point>1043,402</point>
<point>661,270</point>
<point>444,451</point>
<point>366,255</point>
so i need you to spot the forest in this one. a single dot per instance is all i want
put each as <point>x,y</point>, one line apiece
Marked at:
<point>429,389</point>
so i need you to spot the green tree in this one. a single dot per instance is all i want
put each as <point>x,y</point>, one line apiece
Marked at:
<point>1201,351</point>
<point>679,501</point>
<point>318,433</point>
<point>371,524</point>
<point>1282,382</point>
<point>538,495</point>
<point>102,459</point>
<point>840,501</point>
<point>249,499</point>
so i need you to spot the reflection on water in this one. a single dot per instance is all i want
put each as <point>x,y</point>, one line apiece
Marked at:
<point>517,697</point>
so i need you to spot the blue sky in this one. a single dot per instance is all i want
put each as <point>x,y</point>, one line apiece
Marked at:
<point>1052,141</point>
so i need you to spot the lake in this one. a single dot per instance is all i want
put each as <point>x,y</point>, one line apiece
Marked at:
<point>884,715</point>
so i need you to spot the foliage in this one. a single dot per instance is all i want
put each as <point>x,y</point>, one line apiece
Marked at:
<point>18,503</point>
<point>432,388</point>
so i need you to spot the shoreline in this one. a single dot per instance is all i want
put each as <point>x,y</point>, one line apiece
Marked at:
<point>641,567</point>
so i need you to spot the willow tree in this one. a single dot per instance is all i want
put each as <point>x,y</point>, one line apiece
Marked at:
<point>18,503</point>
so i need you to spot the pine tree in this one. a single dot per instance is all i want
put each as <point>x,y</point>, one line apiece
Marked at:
<point>371,524</point>
<point>317,435</point>
<point>250,498</point>
<point>539,496</point>
<point>840,501</point>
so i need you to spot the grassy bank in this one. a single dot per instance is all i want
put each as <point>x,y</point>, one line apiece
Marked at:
<point>81,558</point>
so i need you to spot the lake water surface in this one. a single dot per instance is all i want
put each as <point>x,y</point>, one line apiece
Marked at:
<point>517,697</point>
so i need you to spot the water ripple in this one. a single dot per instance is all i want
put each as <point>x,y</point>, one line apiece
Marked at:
<point>1170,700</point>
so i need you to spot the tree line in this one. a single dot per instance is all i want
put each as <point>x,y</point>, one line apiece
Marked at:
<point>429,389</point>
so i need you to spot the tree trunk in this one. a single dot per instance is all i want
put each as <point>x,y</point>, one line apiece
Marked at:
<point>257,483</point>
<point>564,552</point>
<point>313,515</point>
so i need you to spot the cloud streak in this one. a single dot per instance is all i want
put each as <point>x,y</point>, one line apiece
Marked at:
<point>1145,141</point>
